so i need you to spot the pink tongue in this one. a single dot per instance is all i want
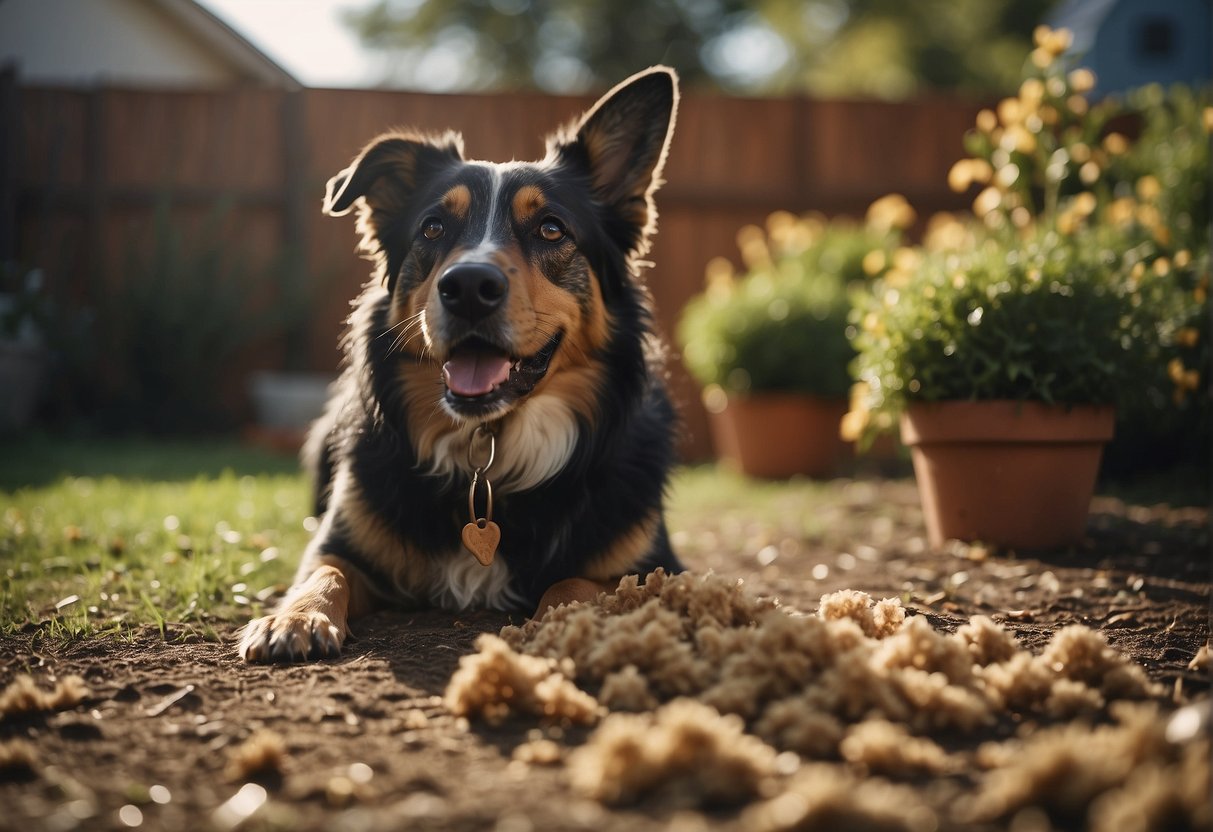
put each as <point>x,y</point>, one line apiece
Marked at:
<point>475,373</point>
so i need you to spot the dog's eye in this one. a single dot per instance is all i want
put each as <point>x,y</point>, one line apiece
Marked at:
<point>552,230</point>
<point>432,228</point>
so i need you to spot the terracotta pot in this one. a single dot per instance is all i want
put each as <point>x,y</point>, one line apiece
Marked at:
<point>1016,474</point>
<point>779,435</point>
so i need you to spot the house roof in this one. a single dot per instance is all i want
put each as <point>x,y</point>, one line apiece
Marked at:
<point>227,42</point>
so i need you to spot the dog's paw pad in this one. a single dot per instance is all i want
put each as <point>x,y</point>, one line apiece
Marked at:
<point>291,637</point>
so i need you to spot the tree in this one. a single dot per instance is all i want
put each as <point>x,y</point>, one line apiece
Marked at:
<point>883,48</point>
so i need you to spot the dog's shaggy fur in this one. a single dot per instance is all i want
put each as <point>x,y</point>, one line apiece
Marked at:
<point>505,300</point>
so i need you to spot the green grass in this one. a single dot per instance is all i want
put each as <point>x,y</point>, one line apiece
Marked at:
<point>179,535</point>
<point>110,536</point>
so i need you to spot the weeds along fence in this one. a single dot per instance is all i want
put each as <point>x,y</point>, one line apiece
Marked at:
<point>84,174</point>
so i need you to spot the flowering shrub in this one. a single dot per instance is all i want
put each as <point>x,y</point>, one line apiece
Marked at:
<point>781,325</point>
<point>993,323</point>
<point>1083,276</point>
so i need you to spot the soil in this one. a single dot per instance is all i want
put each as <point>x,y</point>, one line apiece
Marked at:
<point>366,742</point>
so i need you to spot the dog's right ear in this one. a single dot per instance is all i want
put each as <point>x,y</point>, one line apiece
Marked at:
<point>388,171</point>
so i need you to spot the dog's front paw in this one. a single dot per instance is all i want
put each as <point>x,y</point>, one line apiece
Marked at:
<point>291,637</point>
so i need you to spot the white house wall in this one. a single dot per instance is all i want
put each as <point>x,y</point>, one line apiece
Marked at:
<point>123,42</point>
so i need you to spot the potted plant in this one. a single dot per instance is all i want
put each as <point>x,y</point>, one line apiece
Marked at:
<point>1004,365</point>
<point>769,346</point>
<point>1004,355</point>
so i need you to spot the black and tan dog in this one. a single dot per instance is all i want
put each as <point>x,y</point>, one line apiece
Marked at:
<point>501,435</point>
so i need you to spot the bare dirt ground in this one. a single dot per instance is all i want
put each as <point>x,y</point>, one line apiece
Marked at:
<point>368,744</point>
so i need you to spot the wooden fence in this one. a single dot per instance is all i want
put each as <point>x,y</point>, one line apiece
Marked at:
<point>82,170</point>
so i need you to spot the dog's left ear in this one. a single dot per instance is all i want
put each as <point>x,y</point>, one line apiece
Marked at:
<point>621,143</point>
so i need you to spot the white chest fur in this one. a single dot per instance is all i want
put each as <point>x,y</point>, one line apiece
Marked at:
<point>534,444</point>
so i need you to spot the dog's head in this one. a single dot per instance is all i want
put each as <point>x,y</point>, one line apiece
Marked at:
<point>505,275</point>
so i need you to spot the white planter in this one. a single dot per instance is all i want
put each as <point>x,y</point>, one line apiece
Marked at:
<point>288,401</point>
<point>21,370</point>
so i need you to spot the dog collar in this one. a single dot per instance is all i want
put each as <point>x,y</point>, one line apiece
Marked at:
<point>481,535</point>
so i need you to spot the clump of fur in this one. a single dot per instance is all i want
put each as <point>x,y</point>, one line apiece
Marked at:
<point>260,757</point>
<point>686,751</point>
<point>23,696</point>
<point>496,681</point>
<point>1124,776</point>
<point>887,748</point>
<point>538,752</point>
<point>859,682</point>
<point>831,797</point>
<point>800,680</point>
<point>18,760</point>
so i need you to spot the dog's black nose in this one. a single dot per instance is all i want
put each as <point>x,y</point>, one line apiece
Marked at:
<point>472,290</point>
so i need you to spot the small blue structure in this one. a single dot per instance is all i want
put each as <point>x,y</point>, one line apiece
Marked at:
<point>1129,43</point>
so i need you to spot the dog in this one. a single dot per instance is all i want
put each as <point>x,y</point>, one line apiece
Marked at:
<point>501,434</point>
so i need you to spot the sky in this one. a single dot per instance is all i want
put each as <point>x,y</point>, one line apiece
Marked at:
<point>306,37</point>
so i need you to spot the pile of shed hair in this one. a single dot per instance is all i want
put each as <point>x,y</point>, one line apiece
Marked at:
<point>732,694</point>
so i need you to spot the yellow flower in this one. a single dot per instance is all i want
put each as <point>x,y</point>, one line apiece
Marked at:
<point>1049,114</point>
<point>945,233</point>
<point>1188,337</point>
<point>752,243</point>
<point>1084,204</point>
<point>1162,267</point>
<point>986,121</point>
<point>874,262</point>
<point>1115,143</point>
<point>1080,152</point>
<point>1175,370</point>
<point>1032,92</point>
<point>1138,270</point>
<point>1041,57</point>
<point>959,280</point>
<point>889,212</point>
<point>1019,138</point>
<point>1207,119</point>
<point>987,201</point>
<point>960,177</point>
<point>1148,188</point>
<point>897,278</point>
<point>1059,41</point>
<point>980,170</point>
<point>1009,111</point>
<point>853,424</point>
<point>1067,222</point>
<point>1077,105</point>
<point>1007,175</point>
<point>1089,173</point>
<point>1021,217</point>
<point>1082,80</point>
<point>906,258</point>
<point>1191,380</point>
<point>1121,211</point>
<point>1040,35</point>
<point>780,225</point>
<point>1149,217</point>
<point>1182,258</point>
<point>718,275</point>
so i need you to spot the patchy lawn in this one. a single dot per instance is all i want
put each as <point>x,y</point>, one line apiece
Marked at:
<point>131,565</point>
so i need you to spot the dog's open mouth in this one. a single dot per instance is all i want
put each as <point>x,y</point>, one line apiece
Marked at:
<point>480,376</point>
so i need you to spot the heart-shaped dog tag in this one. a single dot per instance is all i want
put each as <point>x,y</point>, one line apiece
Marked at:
<point>481,539</point>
